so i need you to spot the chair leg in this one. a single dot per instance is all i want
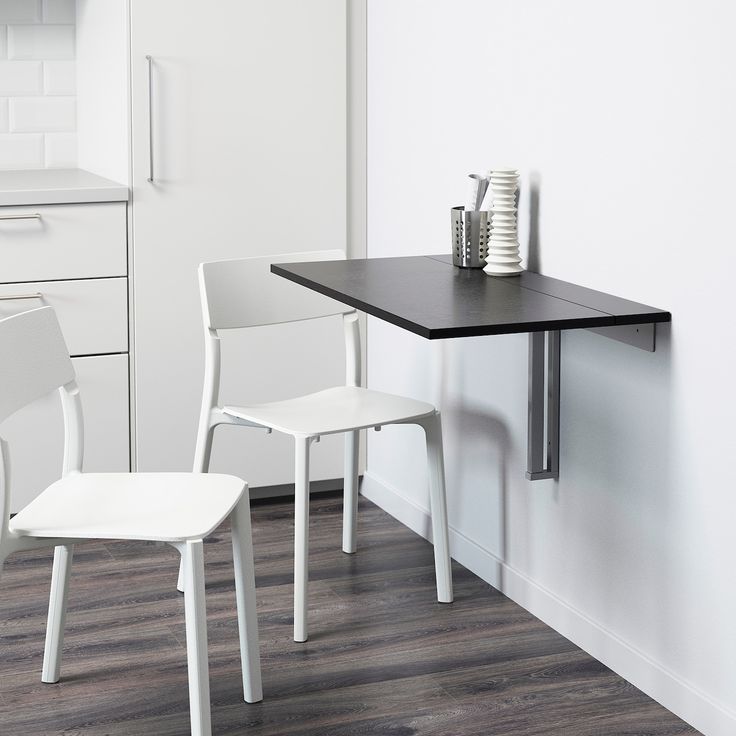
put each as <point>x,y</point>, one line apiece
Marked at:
<point>57,613</point>
<point>350,502</point>
<point>202,453</point>
<point>195,611</point>
<point>245,594</point>
<point>180,579</point>
<point>438,508</point>
<point>182,572</point>
<point>301,536</point>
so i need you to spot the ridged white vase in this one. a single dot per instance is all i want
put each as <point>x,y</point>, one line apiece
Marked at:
<point>503,245</point>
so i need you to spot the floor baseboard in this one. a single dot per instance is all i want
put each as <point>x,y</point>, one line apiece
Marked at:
<point>287,489</point>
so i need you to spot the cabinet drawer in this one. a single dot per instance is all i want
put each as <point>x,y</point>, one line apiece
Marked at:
<point>36,433</point>
<point>93,313</point>
<point>63,241</point>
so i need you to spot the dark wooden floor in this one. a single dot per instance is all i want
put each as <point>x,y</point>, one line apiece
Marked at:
<point>383,657</point>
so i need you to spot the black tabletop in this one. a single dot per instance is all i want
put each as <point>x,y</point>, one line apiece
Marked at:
<point>427,295</point>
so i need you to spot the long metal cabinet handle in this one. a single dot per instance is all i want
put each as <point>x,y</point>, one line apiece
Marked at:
<point>149,59</point>
<point>30,216</point>
<point>34,295</point>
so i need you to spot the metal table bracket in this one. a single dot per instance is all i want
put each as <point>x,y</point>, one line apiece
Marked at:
<point>543,442</point>
<point>638,336</point>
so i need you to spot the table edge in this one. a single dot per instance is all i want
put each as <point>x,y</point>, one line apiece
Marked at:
<point>605,320</point>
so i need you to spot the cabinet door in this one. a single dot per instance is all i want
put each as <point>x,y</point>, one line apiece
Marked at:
<point>62,241</point>
<point>36,433</point>
<point>245,131</point>
<point>93,313</point>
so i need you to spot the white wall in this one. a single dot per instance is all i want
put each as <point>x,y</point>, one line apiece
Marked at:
<point>37,84</point>
<point>624,114</point>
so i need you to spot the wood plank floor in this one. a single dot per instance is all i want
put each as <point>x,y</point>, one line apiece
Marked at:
<point>384,658</point>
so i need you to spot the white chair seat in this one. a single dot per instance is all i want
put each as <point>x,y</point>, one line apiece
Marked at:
<point>339,409</point>
<point>164,507</point>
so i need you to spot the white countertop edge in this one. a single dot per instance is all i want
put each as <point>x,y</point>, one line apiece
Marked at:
<point>57,186</point>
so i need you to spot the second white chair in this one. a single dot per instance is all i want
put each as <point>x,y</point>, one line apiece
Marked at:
<point>244,293</point>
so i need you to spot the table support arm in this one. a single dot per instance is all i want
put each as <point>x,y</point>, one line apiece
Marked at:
<point>543,440</point>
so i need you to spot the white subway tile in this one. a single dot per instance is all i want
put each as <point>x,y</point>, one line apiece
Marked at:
<point>59,11</point>
<point>20,78</point>
<point>20,11</point>
<point>43,114</point>
<point>4,121</point>
<point>37,84</point>
<point>21,151</point>
<point>41,42</point>
<point>59,77</point>
<point>61,150</point>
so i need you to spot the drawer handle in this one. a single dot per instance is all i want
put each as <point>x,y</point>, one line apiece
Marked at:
<point>31,216</point>
<point>34,295</point>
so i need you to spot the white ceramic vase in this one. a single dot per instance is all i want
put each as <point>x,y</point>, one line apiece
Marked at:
<point>503,245</point>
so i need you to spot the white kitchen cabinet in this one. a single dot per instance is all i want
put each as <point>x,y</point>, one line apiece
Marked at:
<point>243,133</point>
<point>59,250</point>
<point>62,241</point>
<point>93,313</point>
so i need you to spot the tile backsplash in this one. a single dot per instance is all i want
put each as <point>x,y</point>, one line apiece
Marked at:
<point>37,84</point>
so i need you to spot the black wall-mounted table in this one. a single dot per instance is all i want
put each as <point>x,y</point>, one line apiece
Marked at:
<point>427,295</point>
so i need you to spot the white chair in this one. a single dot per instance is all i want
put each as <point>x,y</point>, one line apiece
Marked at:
<point>244,293</point>
<point>178,508</point>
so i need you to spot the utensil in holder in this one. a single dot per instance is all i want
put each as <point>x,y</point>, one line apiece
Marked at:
<point>471,231</point>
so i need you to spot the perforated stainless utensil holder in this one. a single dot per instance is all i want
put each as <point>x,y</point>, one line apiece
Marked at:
<point>470,234</point>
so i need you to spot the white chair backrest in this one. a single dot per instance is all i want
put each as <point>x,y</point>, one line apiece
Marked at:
<point>244,293</point>
<point>34,359</point>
